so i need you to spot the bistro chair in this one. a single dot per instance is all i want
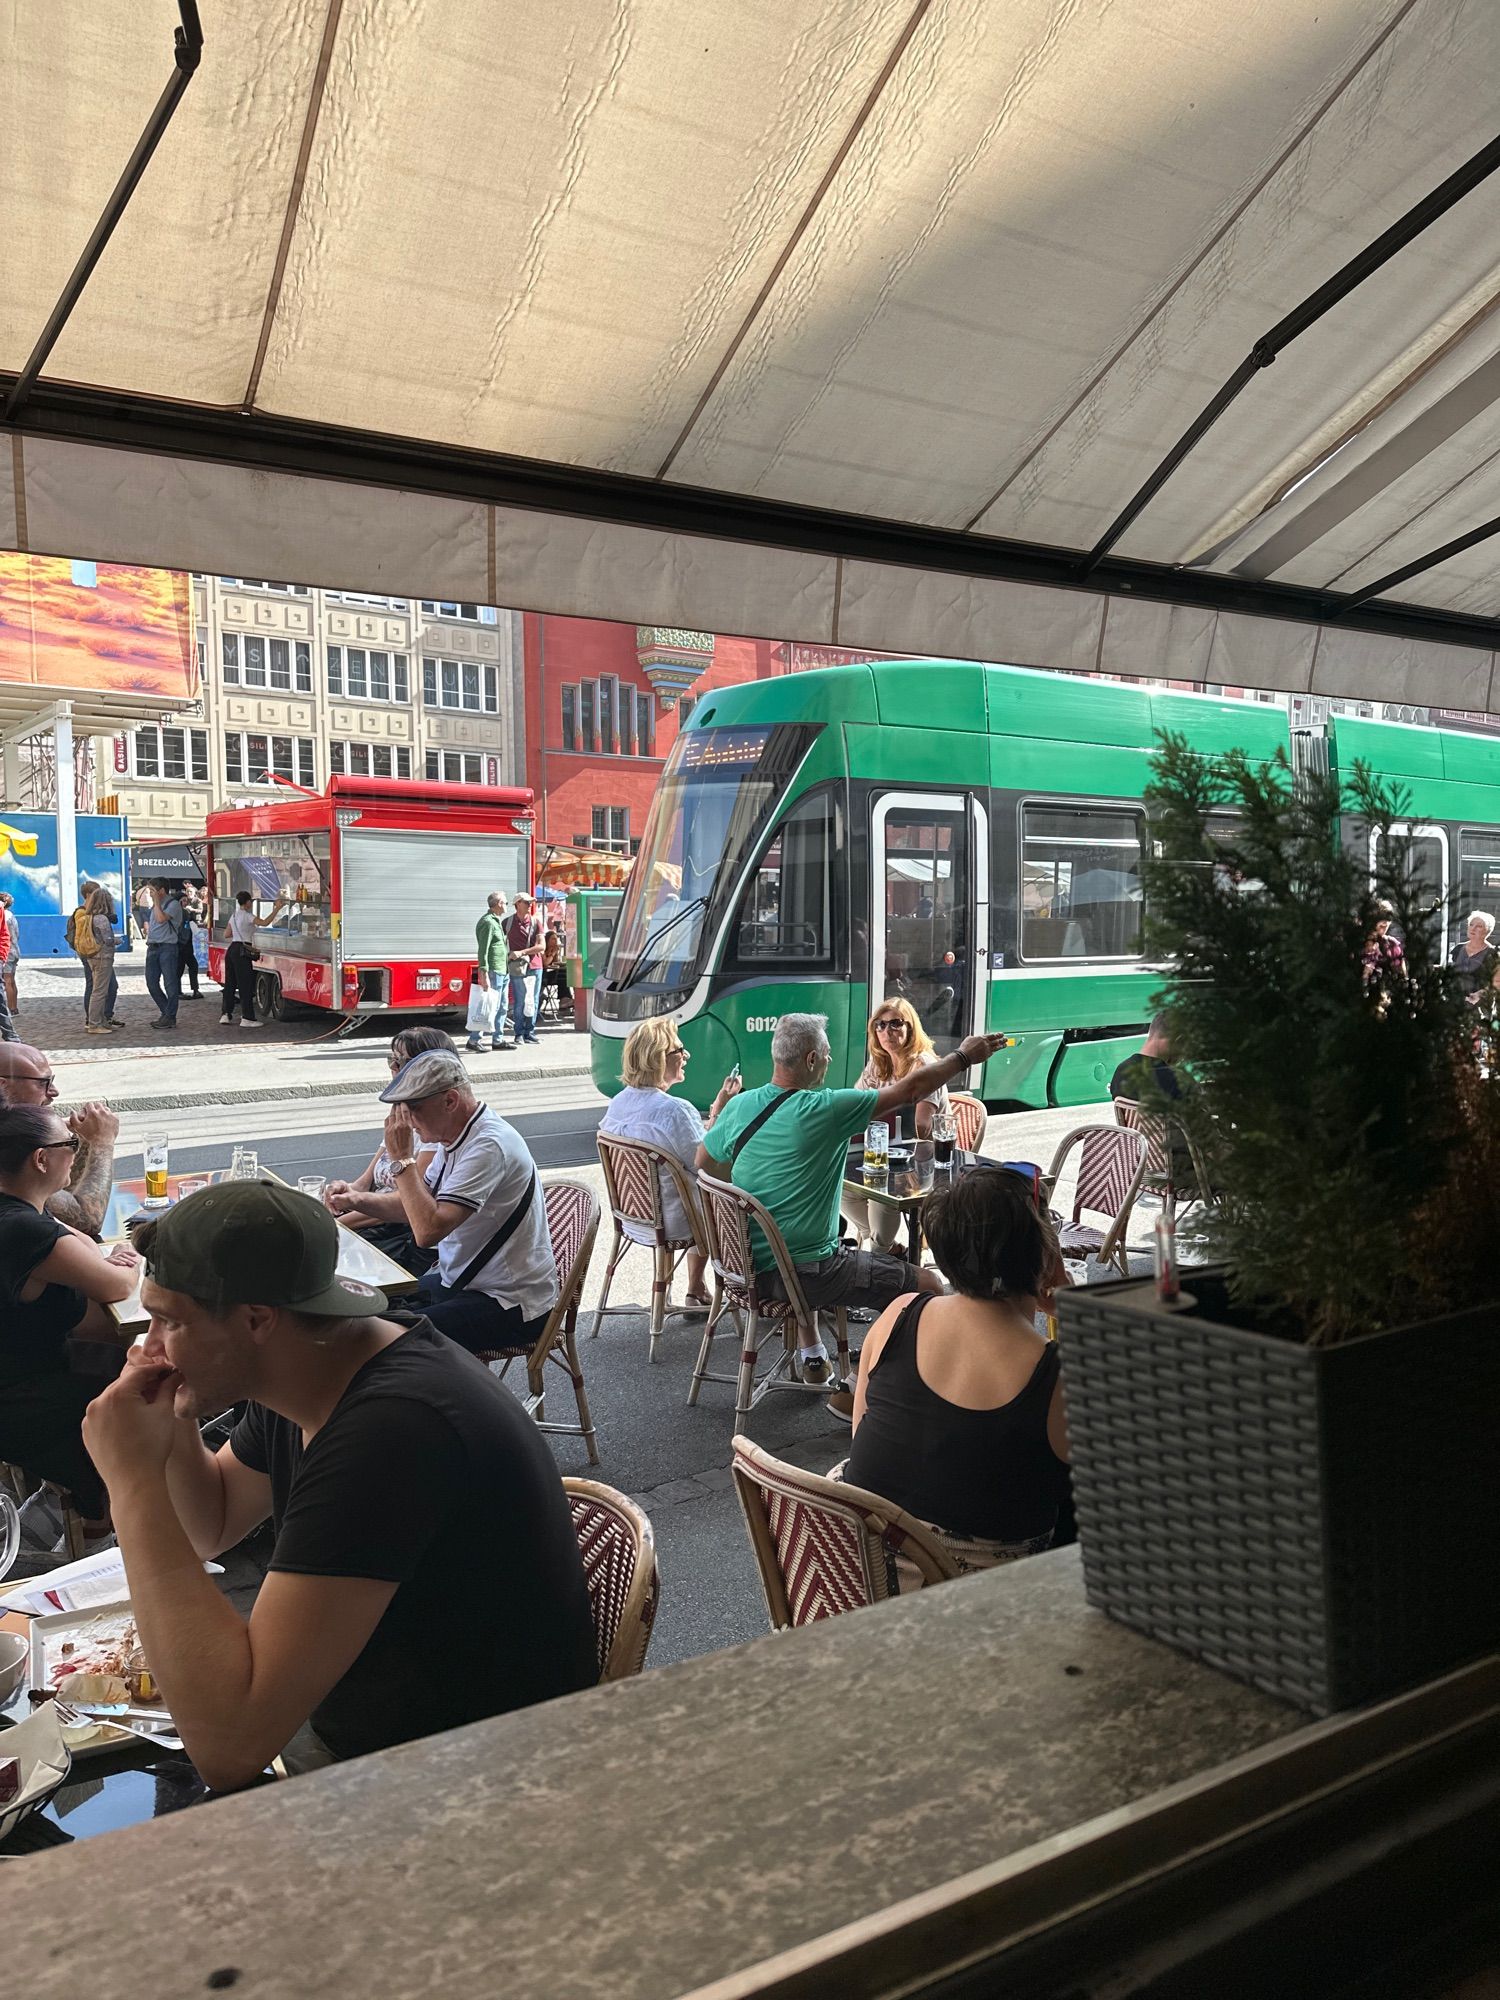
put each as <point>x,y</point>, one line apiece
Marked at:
<point>572,1224</point>
<point>22,1485</point>
<point>619,1566</point>
<point>633,1173</point>
<point>823,1547</point>
<point>740,1294</point>
<point>1111,1168</point>
<point>1165,1142</point>
<point>970,1120</point>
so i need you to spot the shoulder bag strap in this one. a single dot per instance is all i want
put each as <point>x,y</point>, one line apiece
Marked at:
<point>500,1238</point>
<point>766,1111</point>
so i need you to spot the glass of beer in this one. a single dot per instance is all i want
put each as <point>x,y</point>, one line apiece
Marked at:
<point>943,1134</point>
<point>156,1172</point>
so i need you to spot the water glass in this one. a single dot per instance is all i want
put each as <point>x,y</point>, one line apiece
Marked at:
<point>922,1155</point>
<point>156,1171</point>
<point>312,1184</point>
<point>185,1188</point>
<point>246,1164</point>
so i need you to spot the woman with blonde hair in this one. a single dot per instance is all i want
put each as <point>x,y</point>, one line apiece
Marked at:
<point>655,1059</point>
<point>896,1043</point>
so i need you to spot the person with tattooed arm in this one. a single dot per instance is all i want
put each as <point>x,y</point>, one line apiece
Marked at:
<point>26,1078</point>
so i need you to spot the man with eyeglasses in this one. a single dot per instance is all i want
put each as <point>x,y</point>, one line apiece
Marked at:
<point>54,1287</point>
<point>478,1203</point>
<point>26,1078</point>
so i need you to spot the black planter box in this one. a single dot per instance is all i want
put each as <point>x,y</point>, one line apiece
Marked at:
<point>1322,1522</point>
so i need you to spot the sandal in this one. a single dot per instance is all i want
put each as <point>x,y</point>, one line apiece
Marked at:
<point>696,1299</point>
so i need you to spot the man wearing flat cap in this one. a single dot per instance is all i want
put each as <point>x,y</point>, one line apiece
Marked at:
<point>425,1570</point>
<point>478,1204</point>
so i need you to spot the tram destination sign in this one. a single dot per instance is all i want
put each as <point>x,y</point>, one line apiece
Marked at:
<point>722,749</point>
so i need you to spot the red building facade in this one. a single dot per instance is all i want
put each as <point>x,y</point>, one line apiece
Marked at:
<point>603,702</point>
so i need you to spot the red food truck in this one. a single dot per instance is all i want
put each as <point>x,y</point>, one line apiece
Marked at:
<point>369,891</point>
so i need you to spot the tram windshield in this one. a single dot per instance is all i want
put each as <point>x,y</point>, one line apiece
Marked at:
<point>716,794</point>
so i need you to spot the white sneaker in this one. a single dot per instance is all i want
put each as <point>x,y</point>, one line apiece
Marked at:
<point>249,1024</point>
<point>814,1366</point>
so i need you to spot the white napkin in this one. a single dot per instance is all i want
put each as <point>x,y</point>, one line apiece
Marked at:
<point>37,1745</point>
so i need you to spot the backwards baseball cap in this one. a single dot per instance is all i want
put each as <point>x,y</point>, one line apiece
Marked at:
<point>426,1075</point>
<point>241,1243</point>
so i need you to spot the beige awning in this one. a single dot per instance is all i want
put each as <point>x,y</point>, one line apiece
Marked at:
<point>949,270</point>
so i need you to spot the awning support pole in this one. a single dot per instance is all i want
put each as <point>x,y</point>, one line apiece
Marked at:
<point>1298,320</point>
<point>1430,561</point>
<point>67,824</point>
<point>187,41</point>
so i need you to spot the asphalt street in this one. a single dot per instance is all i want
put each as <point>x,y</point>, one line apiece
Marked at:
<point>675,1460</point>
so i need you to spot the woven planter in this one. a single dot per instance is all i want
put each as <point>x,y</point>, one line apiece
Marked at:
<point>1324,1523</point>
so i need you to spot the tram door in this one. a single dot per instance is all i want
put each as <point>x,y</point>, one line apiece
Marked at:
<point>1428,860</point>
<point>929,916</point>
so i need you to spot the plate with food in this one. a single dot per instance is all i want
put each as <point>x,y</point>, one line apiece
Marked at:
<point>93,1659</point>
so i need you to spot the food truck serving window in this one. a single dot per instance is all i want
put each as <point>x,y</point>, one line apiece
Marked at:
<point>420,895</point>
<point>287,877</point>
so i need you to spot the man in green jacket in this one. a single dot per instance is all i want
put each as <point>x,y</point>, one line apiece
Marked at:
<point>489,937</point>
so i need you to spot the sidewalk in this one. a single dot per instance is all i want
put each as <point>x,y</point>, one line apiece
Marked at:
<point>140,1069</point>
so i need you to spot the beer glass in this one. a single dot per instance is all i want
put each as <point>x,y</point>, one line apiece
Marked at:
<point>944,1132</point>
<point>156,1171</point>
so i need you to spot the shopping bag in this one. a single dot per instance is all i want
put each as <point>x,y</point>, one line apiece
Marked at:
<point>482,1010</point>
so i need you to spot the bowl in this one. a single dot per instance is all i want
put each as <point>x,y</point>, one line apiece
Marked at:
<point>15,1651</point>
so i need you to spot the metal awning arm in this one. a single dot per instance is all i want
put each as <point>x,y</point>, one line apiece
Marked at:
<point>187,42</point>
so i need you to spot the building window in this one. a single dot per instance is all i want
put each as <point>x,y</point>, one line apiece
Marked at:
<point>455,767</point>
<point>611,831</point>
<point>627,722</point>
<point>202,656</point>
<point>624,717</point>
<point>370,760</point>
<point>169,753</point>
<point>282,665</point>
<point>570,718</point>
<point>368,676</point>
<point>586,716</point>
<point>645,725</point>
<point>248,757</point>
<point>259,583</point>
<point>368,597</point>
<point>461,684</point>
<point>607,715</point>
<point>443,607</point>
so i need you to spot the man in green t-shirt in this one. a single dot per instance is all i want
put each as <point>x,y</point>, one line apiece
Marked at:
<point>489,940</point>
<point>794,1163</point>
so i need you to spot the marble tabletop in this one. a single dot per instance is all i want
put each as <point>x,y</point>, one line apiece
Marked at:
<point>641,1839</point>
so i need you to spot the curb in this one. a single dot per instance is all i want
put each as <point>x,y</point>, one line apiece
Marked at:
<point>187,1100</point>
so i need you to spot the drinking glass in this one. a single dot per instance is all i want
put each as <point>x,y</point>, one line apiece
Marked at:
<point>246,1165</point>
<point>944,1131</point>
<point>922,1156</point>
<point>156,1171</point>
<point>312,1184</point>
<point>185,1188</point>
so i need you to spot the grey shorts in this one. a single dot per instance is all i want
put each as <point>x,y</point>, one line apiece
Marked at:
<point>868,1278</point>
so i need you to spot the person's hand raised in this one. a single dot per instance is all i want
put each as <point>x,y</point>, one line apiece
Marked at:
<point>95,1124</point>
<point>979,1048</point>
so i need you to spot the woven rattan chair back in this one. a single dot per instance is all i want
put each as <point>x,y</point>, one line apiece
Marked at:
<point>632,1181</point>
<point>970,1121</point>
<point>619,1566</point>
<point>635,1174</point>
<point>1111,1168</point>
<point>1158,1153</point>
<point>726,1216</point>
<point>823,1548</point>
<point>572,1228</point>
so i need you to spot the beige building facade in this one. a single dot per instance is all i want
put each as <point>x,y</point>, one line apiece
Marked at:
<point>299,683</point>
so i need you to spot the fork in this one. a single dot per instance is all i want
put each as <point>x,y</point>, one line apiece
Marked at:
<point>74,1718</point>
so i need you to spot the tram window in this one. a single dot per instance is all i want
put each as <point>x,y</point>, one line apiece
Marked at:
<point>1080,882</point>
<point>924,881</point>
<point>1478,875</point>
<point>1427,860</point>
<point>786,913</point>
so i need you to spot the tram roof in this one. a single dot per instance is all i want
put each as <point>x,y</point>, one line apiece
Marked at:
<point>852,321</point>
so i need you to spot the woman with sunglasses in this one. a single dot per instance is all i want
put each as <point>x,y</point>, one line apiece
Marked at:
<point>897,1043</point>
<point>54,1285</point>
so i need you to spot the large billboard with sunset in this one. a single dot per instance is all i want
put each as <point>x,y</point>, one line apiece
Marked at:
<point>109,627</point>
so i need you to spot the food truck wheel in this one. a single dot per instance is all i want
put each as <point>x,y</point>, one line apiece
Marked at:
<point>269,1000</point>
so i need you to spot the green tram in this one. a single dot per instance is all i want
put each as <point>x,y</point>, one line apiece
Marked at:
<point>968,836</point>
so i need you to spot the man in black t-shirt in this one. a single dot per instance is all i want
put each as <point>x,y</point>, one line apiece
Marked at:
<point>425,1571</point>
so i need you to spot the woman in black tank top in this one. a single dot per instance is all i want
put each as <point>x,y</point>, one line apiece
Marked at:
<point>958,1414</point>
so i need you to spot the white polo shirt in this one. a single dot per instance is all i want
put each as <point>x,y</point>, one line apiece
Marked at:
<point>485,1171</point>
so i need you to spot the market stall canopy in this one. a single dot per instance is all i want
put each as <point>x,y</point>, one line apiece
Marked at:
<point>851,321</point>
<point>579,867</point>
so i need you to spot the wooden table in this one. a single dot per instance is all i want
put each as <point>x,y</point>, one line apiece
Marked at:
<point>358,1259</point>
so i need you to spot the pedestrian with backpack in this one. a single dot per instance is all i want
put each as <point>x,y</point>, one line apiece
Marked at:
<point>81,935</point>
<point>163,925</point>
<point>96,920</point>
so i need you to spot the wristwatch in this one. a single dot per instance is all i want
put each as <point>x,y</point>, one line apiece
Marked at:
<point>399,1167</point>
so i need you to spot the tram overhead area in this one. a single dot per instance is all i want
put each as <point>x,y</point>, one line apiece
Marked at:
<point>896,325</point>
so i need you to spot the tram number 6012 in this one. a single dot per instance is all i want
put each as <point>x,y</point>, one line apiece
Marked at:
<point>761,1024</point>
